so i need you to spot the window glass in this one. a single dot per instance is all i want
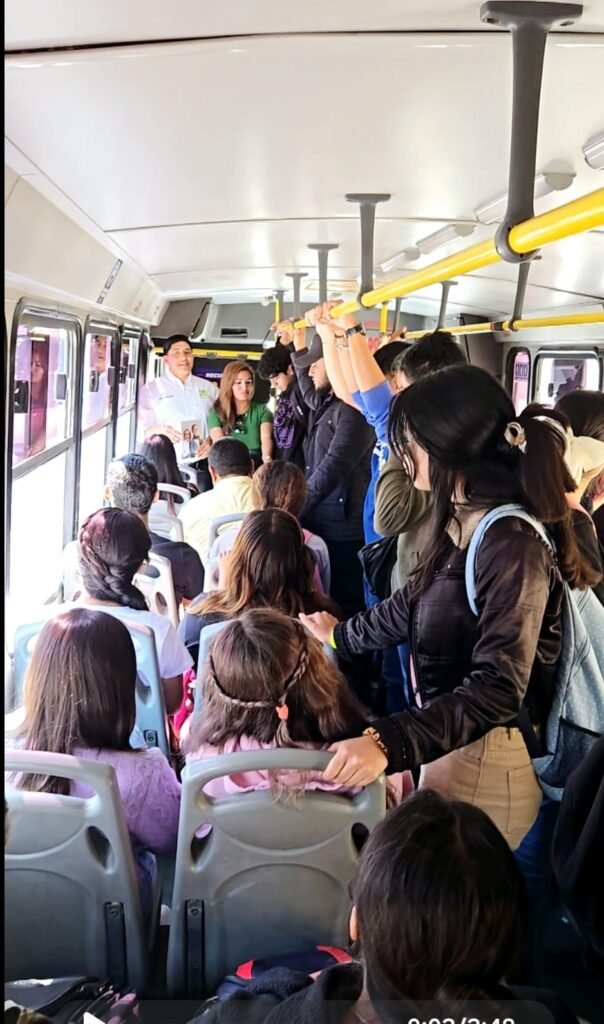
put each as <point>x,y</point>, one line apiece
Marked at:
<point>122,435</point>
<point>127,372</point>
<point>42,389</point>
<point>558,375</point>
<point>36,538</point>
<point>96,394</point>
<point>92,473</point>
<point>520,381</point>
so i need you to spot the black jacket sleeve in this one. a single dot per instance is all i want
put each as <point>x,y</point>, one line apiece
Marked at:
<point>384,625</point>
<point>313,399</point>
<point>341,458</point>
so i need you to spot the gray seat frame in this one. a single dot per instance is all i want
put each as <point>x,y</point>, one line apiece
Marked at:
<point>271,877</point>
<point>72,903</point>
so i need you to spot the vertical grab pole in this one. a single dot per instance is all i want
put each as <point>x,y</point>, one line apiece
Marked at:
<point>367,203</point>
<point>384,318</point>
<point>529,21</point>
<point>397,312</point>
<point>446,287</point>
<point>323,249</point>
<point>279,306</point>
<point>296,277</point>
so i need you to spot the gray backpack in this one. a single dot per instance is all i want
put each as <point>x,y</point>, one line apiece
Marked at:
<point>576,718</point>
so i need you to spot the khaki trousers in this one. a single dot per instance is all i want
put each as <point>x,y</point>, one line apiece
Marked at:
<point>494,773</point>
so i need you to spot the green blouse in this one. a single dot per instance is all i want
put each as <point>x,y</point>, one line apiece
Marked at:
<point>246,427</point>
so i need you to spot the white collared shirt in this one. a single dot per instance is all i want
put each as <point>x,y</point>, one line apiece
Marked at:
<point>167,401</point>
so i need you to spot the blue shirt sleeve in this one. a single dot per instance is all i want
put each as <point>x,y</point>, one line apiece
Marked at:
<point>375,404</point>
<point>359,398</point>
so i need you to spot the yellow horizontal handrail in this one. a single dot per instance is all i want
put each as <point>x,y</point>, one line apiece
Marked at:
<point>565,320</point>
<point>214,353</point>
<point>579,215</point>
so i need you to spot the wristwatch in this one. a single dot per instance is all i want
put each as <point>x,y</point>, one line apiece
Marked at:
<point>375,736</point>
<point>357,329</point>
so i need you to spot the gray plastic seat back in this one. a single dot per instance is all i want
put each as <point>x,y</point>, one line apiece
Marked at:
<point>25,641</point>
<point>159,589</point>
<point>220,521</point>
<point>151,718</point>
<point>188,473</point>
<point>206,639</point>
<point>271,877</point>
<point>166,525</point>
<point>72,903</point>
<point>165,505</point>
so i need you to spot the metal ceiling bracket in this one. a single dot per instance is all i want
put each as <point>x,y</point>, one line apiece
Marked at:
<point>396,314</point>
<point>446,288</point>
<point>323,249</point>
<point>529,21</point>
<point>367,202</point>
<point>296,276</point>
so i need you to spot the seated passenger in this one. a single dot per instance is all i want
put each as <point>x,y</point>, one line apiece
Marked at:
<point>271,685</point>
<point>132,486</point>
<point>279,485</point>
<point>112,546</point>
<point>234,413</point>
<point>438,916</point>
<point>160,451</point>
<point>269,566</point>
<point>461,440</point>
<point>290,420</point>
<point>78,699</point>
<point>231,470</point>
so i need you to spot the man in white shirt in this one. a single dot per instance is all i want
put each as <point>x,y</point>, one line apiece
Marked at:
<point>175,397</point>
<point>231,469</point>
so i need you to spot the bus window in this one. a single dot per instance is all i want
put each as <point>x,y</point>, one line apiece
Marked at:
<point>126,393</point>
<point>41,390</point>
<point>521,372</point>
<point>557,375</point>
<point>96,400</point>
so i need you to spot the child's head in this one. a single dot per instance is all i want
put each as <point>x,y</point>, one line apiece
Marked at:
<point>269,679</point>
<point>281,485</point>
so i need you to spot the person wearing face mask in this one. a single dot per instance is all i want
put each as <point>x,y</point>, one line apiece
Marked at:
<point>337,450</point>
<point>175,397</point>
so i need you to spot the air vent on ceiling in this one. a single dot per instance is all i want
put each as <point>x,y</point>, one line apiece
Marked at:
<point>233,332</point>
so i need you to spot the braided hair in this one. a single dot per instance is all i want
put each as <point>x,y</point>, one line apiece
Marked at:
<point>112,545</point>
<point>270,680</point>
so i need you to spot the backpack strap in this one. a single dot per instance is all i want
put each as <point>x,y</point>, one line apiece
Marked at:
<point>502,512</point>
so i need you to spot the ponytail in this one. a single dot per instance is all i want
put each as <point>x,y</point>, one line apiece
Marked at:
<point>546,481</point>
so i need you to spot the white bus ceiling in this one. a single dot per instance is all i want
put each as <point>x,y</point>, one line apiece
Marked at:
<point>208,164</point>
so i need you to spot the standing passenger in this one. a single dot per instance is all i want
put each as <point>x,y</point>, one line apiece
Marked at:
<point>476,681</point>
<point>289,424</point>
<point>338,453</point>
<point>234,413</point>
<point>177,397</point>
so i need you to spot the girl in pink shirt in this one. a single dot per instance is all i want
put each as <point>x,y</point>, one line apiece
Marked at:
<point>270,684</point>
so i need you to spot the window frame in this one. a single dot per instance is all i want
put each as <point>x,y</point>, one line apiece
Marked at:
<point>564,353</point>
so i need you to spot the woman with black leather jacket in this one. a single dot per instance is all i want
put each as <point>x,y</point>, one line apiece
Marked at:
<point>482,684</point>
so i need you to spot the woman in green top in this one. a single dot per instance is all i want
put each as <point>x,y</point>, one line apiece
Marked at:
<point>235,414</point>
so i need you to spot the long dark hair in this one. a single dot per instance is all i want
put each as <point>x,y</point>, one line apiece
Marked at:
<point>160,451</point>
<point>269,566</point>
<point>263,659</point>
<point>79,690</point>
<point>460,416</point>
<point>112,545</point>
<point>585,413</point>
<point>438,897</point>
